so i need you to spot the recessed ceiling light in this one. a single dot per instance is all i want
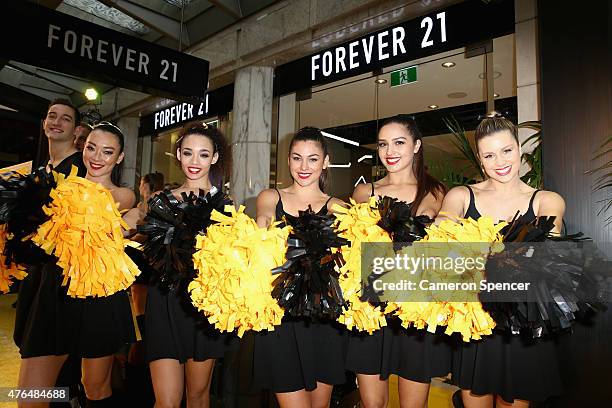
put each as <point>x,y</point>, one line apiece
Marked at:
<point>448,64</point>
<point>496,74</point>
<point>496,95</point>
<point>457,95</point>
<point>433,106</point>
<point>380,81</point>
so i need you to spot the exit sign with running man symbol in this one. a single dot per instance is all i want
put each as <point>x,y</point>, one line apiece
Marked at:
<point>404,76</point>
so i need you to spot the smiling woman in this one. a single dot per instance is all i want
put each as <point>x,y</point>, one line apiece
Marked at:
<point>80,305</point>
<point>102,155</point>
<point>180,344</point>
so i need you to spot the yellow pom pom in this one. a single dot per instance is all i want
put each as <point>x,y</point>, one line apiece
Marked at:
<point>358,224</point>
<point>465,238</point>
<point>234,262</point>
<point>10,271</point>
<point>84,233</point>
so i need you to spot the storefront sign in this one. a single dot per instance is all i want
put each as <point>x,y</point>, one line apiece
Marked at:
<point>180,113</point>
<point>57,41</point>
<point>216,102</point>
<point>403,76</point>
<point>454,27</point>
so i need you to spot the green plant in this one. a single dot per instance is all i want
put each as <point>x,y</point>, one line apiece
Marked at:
<point>534,159</point>
<point>604,180</point>
<point>461,142</point>
<point>447,175</point>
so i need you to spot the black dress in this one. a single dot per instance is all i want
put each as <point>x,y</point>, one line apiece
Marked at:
<point>176,330</point>
<point>415,355</point>
<point>511,366</point>
<point>299,352</point>
<point>49,322</point>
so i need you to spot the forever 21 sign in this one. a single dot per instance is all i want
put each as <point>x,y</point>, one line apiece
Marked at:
<point>456,26</point>
<point>70,45</point>
<point>374,48</point>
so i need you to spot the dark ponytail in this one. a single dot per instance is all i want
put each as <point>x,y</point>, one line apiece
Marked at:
<point>425,182</point>
<point>224,162</point>
<point>311,134</point>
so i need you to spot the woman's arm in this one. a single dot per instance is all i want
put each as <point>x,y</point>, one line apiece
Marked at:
<point>430,205</point>
<point>334,201</point>
<point>454,204</point>
<point>266,207</point>
<point>131,218</point>
<point>552,204</point>
<point>362,192</point>
<point>124,197</point>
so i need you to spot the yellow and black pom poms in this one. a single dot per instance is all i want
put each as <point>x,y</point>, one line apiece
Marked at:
<point>8,270</point>
<point>464,238</point>
<point>84,233</point>
<point>306,285</point>
<point>358,224</point>
<point>234,283</point>
<point>22,198</point>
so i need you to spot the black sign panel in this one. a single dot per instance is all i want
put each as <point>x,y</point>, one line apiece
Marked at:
<point>46,38</point>
<point>216,102</point>
<point>454,27</point>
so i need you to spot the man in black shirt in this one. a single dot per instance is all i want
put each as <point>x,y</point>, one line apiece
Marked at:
<point>59,126</point>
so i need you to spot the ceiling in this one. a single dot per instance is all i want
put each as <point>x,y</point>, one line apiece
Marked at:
<point>176,24</point>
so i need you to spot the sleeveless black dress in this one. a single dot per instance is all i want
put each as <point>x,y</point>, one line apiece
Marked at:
<point>176,330</point>
<point>415,355</point>
<point>49,322</point>
<point>299,352</point>
<point>509,366</point>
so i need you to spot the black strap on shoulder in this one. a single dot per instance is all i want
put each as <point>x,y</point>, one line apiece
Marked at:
<point>472,198</point>
<point>328,200</point>
<point>532,198</point>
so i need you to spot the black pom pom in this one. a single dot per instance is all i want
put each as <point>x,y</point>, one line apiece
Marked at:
<point>22,198</point>
<point>307,284</point>
<point>396,218</point>
<point>566,281</point>
<point>171,226</point>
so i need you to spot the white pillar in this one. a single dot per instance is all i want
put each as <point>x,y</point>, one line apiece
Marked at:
<point>129,128</point>
<point>251,135</point>
<point>286,129</point>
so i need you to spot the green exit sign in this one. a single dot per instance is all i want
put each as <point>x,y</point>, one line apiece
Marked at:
<point>404,76</point>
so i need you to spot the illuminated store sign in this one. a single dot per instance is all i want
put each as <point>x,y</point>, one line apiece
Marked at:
<point>217,102</point>
<point>73,46</point>
<point>374,49</point>
<point>442,30</point>
<point>180,113</point>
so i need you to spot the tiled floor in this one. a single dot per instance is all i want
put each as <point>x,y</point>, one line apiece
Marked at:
<point>439,394</point>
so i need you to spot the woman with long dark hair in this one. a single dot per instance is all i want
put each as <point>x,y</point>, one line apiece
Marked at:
<point>303,358</point>
<point>415,356</point>
<point>90,327</point>
<point>503,370</point>
<point>181,346</point>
